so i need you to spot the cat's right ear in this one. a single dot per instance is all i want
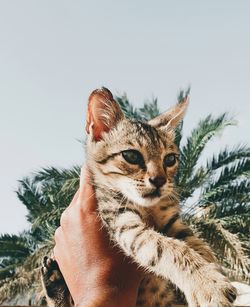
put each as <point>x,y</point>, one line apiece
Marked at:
<point>172,118</point>
<point>103,113</point>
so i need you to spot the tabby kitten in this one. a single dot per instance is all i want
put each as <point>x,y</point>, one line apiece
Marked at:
<point>132,165</point>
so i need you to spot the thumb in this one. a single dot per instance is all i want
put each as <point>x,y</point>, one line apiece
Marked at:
<point>86,196</point>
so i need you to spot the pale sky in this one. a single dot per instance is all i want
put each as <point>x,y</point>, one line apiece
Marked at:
<point>53,53</point>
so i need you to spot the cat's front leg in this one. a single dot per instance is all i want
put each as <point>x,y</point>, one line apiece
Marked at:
<point>55,288</point>
<point>201,281</point>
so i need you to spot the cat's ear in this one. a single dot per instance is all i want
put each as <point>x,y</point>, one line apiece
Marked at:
<point>171,119</point>
<point>103,113</point>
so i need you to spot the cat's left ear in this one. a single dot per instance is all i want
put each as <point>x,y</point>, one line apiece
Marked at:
<point>103,113</point>
<point>171,119</point>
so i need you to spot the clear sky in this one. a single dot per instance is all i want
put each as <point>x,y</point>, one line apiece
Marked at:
<point>53,53</point>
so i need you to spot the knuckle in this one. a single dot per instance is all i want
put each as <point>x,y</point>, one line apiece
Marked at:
<point>64,220</point>
<point>58,233</point>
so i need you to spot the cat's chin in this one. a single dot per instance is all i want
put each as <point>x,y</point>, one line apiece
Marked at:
<point>147,201</point>
<point>150,202</point>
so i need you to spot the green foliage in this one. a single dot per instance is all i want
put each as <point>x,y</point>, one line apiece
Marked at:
<point>149,110</point>
<point>14,246</point>
<point>227,246</point>
<point>45,195</point>
<point>195,144</point>
<point>220,214</point>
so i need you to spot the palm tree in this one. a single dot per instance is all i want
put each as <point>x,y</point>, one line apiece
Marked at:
<point>45,195</point>
<point>214,197</point>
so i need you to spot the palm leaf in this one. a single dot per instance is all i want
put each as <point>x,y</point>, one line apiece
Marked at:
<point>203,175</point>
<point>149,110</point>
<point>31,195</point>
<point>238,223</point>
<point>55,175</point>
<point>14,246</point>
<point>128,109</point>
<point>227,245</point>
<point>20,283</point>
<point>231,182</point>
<point>237,191</point>
<point>59,184</point>
<point>191,152</point>
<point>227,156</point>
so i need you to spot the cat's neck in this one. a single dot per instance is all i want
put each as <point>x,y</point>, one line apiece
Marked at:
<point>156,216</point>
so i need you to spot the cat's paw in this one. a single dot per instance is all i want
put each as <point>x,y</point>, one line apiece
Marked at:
<point>211,289</point>
<point>53,281</point>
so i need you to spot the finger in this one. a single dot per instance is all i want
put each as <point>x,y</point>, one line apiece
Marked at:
<point>58,234</point>
<point>65,219</point>
<point>82,176</point>
<point>86,197</point>
<point>75,198</point>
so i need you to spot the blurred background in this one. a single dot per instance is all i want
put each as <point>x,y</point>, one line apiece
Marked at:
<point>54,53</point>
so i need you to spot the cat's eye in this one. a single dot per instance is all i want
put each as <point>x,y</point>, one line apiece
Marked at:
<point>170,160</point>
<point>132,156</point>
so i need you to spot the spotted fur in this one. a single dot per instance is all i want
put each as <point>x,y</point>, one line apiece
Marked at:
<point>143,218</point>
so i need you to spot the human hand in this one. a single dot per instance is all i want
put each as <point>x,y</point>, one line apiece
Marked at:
<point>96,272</point>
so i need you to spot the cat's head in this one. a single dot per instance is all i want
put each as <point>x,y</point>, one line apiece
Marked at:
<point>135,158</point>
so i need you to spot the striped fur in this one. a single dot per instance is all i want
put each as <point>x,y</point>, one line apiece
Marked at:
<point>151,230</point>
<point>148,228</point>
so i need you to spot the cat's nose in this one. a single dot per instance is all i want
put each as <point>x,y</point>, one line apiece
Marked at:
<point>157,181</point>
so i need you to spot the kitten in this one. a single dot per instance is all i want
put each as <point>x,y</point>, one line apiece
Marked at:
<point>133,166</point>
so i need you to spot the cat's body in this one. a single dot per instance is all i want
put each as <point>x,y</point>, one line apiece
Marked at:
<point>163,217</point>
<point>132,165</point>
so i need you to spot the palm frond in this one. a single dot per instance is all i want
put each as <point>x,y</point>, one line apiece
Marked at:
<point>227,156</point>
<point>20,283</point>
<point>232,172</point>
<point>23,277</point>
<point>45,225</point>
<point>191,152</point>
<point>218,192</point>
<point>59,184</point>
<point>14,246</point>
<point>7,271</point>
<point>29,194</point>
<point>128,109</point>
<point>204,174</point>
<point>195,182</point>
<point>227,245</point>
<point>238,223</point>
<point>226,208</point>
<point>149,110</point>
<point>33,261</point>
<point>183,94</point>
<point>233,181</point>
<point>56,175</point>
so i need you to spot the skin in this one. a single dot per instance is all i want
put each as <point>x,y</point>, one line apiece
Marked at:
<point>102,275</point>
